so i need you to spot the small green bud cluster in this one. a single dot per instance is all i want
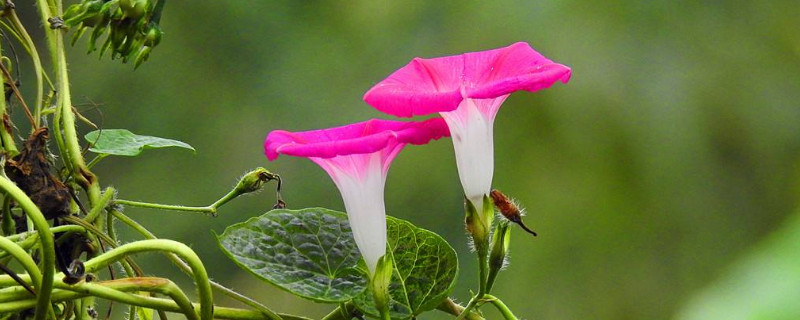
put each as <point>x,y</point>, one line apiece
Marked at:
<point>132,25</point>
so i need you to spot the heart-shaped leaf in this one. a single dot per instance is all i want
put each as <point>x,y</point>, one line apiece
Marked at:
<point>308,252</point>
<point>121,142</point>
<point>425,269</point>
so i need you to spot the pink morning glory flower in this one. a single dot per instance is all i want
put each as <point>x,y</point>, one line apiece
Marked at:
<point>467,90</point>
<point>357,157</point>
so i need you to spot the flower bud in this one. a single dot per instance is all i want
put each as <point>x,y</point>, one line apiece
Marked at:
<point>74,11</point>
<point>479,222</point>
<point>99,29</point>
<point>134,9</point>
<point>99,18</point>
<point>78,34</point>
<point>254,180</point>
<point>142,56</point>
<point>509,209</point>
<point>153,35</point>
<point>379,283</point>
<point>501,239</point>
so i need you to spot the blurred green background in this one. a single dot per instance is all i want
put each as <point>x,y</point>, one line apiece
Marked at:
<point>659,179</point>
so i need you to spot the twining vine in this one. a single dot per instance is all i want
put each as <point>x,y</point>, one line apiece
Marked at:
<point>59,251</point>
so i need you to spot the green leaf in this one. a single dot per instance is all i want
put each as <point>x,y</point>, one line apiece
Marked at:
<point>308,252</point>
<point>425,269</point>
<point>145,313</point>
<point>763,284</point>
<point>122,142</point>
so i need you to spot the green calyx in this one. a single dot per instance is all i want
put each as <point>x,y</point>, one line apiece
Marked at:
<point>379,282</point>
<point>479,222</point>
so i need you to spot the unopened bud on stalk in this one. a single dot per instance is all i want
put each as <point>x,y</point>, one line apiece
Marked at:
<point>254,180</point>
<point>501,240</point>
<point>509,209</point>
<point>250,182</point>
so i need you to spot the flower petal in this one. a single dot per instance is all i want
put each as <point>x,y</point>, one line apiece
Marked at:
<point>493,73</point>
<point>358,138</point>
<point>438,85</point>
<point>421,87</point>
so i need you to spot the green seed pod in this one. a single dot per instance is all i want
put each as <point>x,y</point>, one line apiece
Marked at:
<point>74,11</point>
<point>134,9</point>
<point>87,10</point>
<point>98,31</point>
<point>131,46</point>
<point>77,34</point>
<point>153,35</point>
<point>98,18</point>
<point>106,45</point>
<point>117,15</point>
<point>142,56</point>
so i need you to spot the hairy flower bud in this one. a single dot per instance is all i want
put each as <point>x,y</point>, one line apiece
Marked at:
<point>254,180</point>
<point>501,240</point>
<point>509,209</point>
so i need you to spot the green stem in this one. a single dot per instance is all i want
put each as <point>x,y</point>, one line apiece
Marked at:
<point>46,238</point>
<point>101,204</point>
<point>6,137</point>
<point>26,236</point>
<point>455,309</point>
<point>29,241</point>
<point>131,268</point>
<point>159,8</point>
<point>37,64</point>
<point>64,114</point>
<point>115,290</point>
<point>342,312</point>
<point>147,302</point>
<point>468,309</point>
<point>208,210</point>
<point>186,269</point>
<point>211,209</point>
<point>180,249</point>
<point>96,160</point>
<point>46,9</point>
<point>159,285</point>
<point>85,303</point>
<point>126,265</point>
<point>27,263</point>
<point>483,267</point>
<point>504,310</point>
<point>8,225</point>
<point>228,197</point>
